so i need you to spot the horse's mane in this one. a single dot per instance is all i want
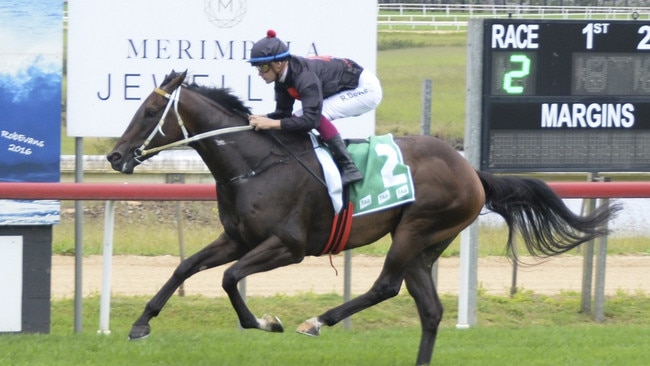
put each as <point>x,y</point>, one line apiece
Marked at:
<point>222,96</point>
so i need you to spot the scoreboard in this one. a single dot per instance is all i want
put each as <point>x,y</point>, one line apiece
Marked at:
<point>565,95</point>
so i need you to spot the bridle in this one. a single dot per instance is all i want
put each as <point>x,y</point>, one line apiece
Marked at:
<point>173,100</point>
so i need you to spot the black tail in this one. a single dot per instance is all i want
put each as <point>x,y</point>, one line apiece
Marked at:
<point>547,225</point>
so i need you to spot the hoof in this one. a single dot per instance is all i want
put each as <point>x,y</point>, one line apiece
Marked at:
<point>139,332</point>
<point>271,323</point>
<point>310,327</point>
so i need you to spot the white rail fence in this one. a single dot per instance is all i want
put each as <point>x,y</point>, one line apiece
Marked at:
<point>455,16</point>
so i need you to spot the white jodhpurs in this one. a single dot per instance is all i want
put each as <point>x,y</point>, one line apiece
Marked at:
<point>353,102</point>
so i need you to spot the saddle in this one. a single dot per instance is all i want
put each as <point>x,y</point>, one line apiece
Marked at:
<point>387,182</point>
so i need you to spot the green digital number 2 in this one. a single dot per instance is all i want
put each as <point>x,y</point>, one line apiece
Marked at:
<point>517,74</point>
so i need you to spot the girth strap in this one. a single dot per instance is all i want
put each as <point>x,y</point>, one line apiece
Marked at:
<point>340,234</point>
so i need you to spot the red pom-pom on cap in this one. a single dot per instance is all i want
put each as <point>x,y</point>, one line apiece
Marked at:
<point>270,33</point>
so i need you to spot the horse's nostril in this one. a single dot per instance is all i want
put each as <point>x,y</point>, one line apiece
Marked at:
<point>113,157</point>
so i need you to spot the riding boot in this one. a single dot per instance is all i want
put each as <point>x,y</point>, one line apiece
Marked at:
<point>349,171</point>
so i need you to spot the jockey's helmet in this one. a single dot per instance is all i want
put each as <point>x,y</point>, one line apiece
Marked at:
<point>269,49</point>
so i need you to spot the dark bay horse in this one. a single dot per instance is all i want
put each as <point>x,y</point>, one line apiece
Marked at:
<point>275,209</point>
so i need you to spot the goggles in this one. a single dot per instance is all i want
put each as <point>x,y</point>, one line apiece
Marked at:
<point>263,68</point>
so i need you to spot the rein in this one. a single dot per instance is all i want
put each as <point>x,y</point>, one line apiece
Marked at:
<point>173,99</point>
<point>322,182</point>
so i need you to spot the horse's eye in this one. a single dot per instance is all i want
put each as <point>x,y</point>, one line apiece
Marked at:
<point>150,113</point>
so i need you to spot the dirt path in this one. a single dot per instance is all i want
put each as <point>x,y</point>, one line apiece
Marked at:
<point>135,275</point>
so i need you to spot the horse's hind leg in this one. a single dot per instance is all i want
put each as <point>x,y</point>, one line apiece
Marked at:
<point>386,286</point>
<point>417,273</point>
<point>221,251</point>
<point>421,287</point>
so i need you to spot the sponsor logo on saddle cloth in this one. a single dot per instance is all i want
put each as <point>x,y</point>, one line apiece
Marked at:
<point>386,183</point>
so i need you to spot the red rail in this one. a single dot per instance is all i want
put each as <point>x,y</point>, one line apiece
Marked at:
<point>109,191</point>
<point>207,192</point>
<point>601,189</point>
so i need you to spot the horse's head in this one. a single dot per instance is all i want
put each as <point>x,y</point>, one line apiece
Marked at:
<point>154,124</point>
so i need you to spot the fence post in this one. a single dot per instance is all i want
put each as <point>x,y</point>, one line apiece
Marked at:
<point>78,239</point>
<point>176,178</point>
<point>587,266</point>
<point>515,267</point>
<point>347,284</point>
<point>425,114</point>
<point>105,298</point>
<point>588,258</point>
<point>425,130</point>
<point>601,261</point>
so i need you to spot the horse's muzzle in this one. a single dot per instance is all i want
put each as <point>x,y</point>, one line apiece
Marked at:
<point>120,164</point>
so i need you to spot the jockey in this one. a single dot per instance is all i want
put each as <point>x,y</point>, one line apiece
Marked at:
<point>328,88</point>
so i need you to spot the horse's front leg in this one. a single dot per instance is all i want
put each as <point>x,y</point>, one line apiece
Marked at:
<point>220,251</point>
<point>270,254</point>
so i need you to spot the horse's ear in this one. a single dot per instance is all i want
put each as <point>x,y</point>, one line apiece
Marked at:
<point>176,79</point>
<point>174,74</point>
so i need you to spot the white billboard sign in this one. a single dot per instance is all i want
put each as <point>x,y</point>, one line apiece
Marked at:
<point>119,50</point>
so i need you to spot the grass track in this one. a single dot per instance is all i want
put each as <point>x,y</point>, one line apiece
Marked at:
<point>567,345</point>
<point>528,329</point>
